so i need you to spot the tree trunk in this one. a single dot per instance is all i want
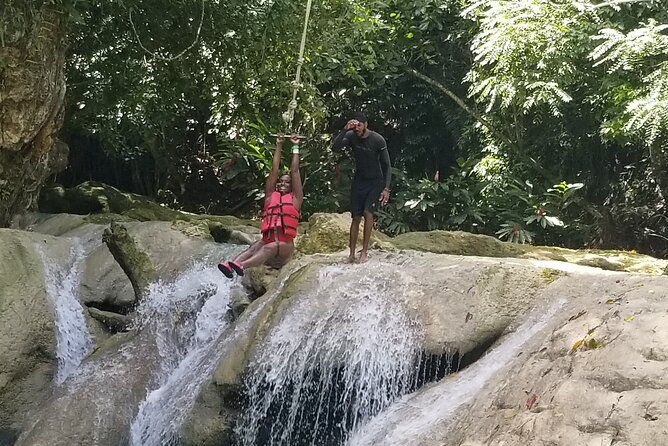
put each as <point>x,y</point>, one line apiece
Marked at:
<point>132,260</point>
<point>32,88</point>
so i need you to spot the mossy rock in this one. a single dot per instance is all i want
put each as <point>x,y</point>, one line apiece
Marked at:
<point>98,198</point>
<point>328,233</point>
<point>550,275</point>
<point>225,220</point>
<point>195,229</point>
<point>232,233</point>
<point>103,204</point>
<point>463,243</point>
<point>598,261</point>
<point>456,243</point>
<point>106,219</point>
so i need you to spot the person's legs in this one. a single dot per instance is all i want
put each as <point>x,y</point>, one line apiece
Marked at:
<point>371,198</point>
<point>227,267</point>
<point>357,197</point>
<point>266,252</point>
<point>248,253</point>
<point>368,227</point>
<point>354,230</point>
<point>285,251</point>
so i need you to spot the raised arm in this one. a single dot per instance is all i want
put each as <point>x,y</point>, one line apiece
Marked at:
<point>270,185</point>
<point>295,177</point>
<point>341,139</point>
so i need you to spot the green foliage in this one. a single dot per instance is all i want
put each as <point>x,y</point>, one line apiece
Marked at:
<point>427,205</point>
<point>643,53</point>
<point>515,233</point>
<point>467,200</point>
<point>567,89</point>
<point>525,53</point>
<point>158,91</point>
<point>244,165</point>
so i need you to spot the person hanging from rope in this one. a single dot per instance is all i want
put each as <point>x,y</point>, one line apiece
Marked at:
<point>371,181</point>
<point>283,200</point>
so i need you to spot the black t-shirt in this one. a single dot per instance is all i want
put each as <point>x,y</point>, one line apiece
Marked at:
<point>368,152</point>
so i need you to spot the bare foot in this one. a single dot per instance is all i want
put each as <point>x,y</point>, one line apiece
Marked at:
<point>363,257</point>
<point>351,258</point>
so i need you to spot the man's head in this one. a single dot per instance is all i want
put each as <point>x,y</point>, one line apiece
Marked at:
<point>284,184</point>
<point>361,126</point>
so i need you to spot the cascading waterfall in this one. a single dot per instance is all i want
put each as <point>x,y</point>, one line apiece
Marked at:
<point>166,408</point>
<point>187,363</point>
<point>408,420</point>
<point>335,360</point>
<point>73,338</point>
<point>173,324</point>
<point>97,404</point>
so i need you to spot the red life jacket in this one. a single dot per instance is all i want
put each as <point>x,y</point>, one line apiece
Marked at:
<point>279,213</point>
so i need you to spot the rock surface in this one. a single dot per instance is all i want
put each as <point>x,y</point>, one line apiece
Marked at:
<point>463,304</point>
<point>330,233</point>
<point>27,330</point>
<point>593,373</point>
<point>601,378</point>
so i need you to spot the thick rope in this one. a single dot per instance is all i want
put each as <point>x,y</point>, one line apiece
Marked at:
<point>289,114</point>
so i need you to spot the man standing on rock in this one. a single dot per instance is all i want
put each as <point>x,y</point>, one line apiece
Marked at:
<point>371,182</point>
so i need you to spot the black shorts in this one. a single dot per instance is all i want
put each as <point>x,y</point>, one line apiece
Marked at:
<point>364,196</point>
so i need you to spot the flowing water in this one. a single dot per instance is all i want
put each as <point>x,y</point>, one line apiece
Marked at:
<point>413,417</point>
<point>338,357</point>
<point>175,324</point>
<point>188,359</point>
<point>73,338</point>
<point>166,408</point>
<point>337,368</point>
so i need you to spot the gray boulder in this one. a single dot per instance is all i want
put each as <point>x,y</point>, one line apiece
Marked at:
<point>27,331</point>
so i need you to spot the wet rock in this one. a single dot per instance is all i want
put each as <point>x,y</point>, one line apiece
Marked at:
<point>27,327</point>
<point>104,283</point>
<point>114,322</point>
<point>239,301</point>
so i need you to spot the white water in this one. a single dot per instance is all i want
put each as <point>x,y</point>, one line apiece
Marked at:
<point>73,339</point>
<point>187,355</point>
<point>341,355</point>
<point>166,408</point>
<point>413,417</point>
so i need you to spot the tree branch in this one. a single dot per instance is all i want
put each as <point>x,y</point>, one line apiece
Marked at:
<point>614,3</point>
<point>134,262</point>
<point>155,54</point>
<point>475,114</point>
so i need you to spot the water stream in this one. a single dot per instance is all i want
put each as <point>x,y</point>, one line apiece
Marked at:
<point>335,359</point>
<point>62,280</point>
<point>186,370</point>
<point>339,366</point>
<point>413,417</point>
<point>188,359</point>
